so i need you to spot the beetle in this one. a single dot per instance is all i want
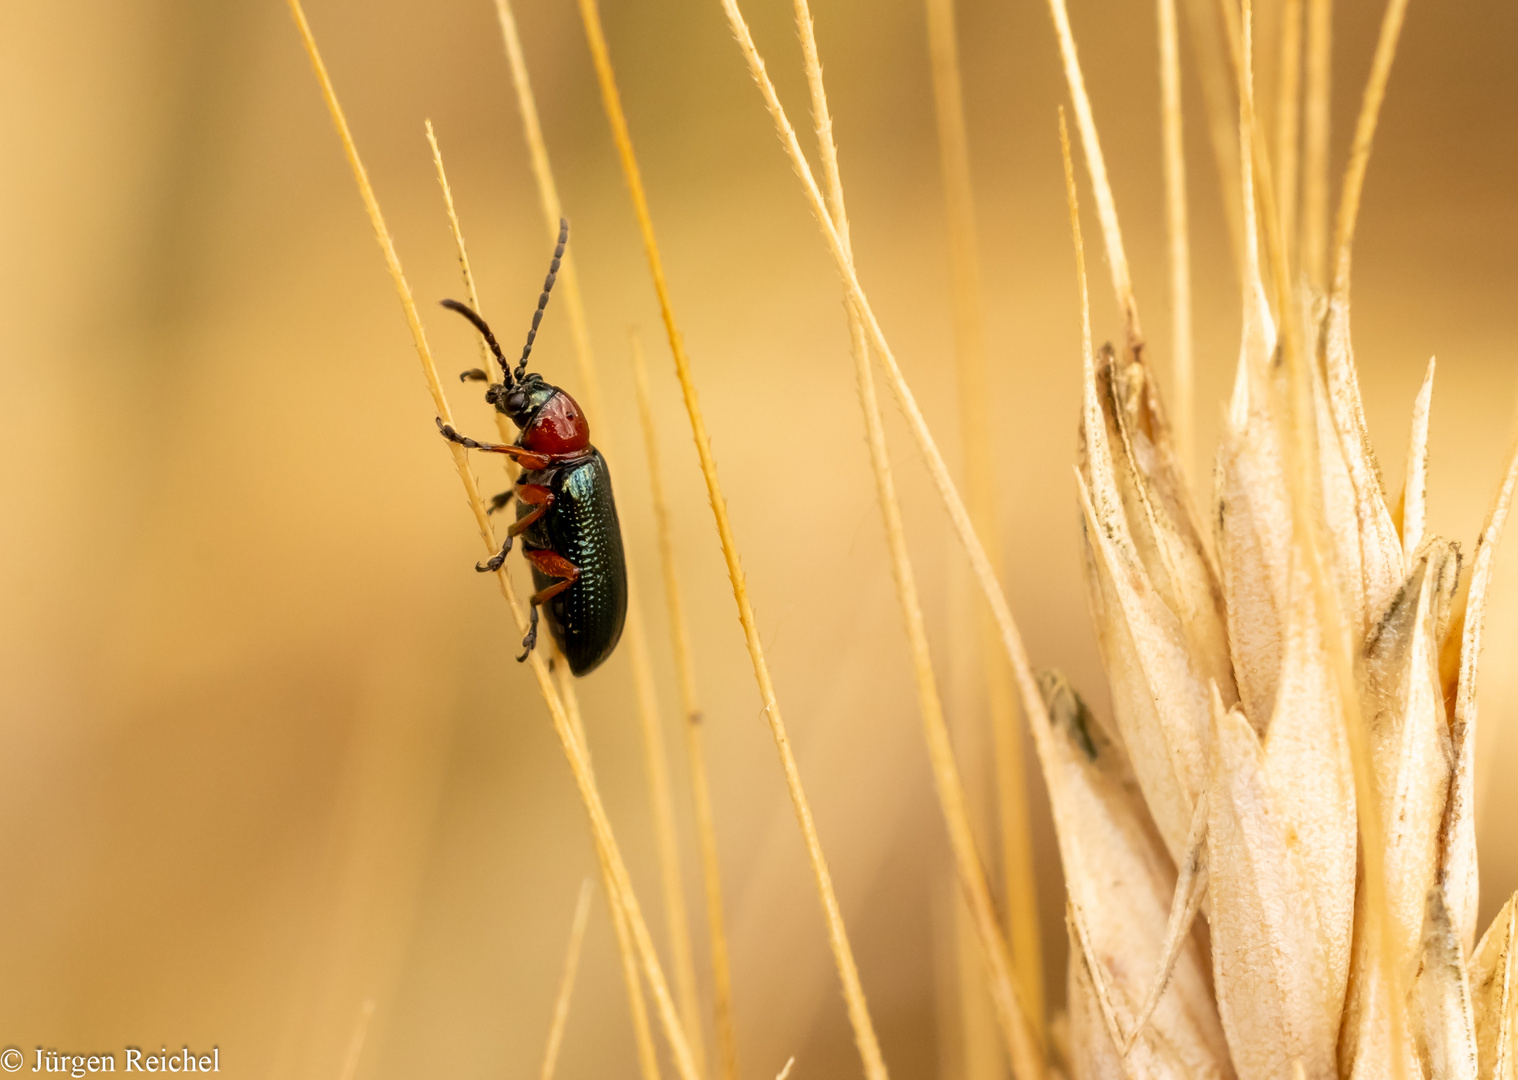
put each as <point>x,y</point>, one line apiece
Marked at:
<point>566,516</point>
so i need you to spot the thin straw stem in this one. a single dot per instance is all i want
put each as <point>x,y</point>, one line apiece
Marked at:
<point>566,983</point>
<point>685,666</point>
<point>1027,686</point>
<point>1222,116</point>
<point>1106,207</point>
<point>1288,120</point>
<point>356,1041</point>
<point>1183,386</point>
<point>1365,133</point>
<point>974,397</point>
<point>1315,122</point>
<point>677,920</point>
<point>648,1058</point>
<point>843,955</point>
<point>609,854</point>
<point>1021,1035</point>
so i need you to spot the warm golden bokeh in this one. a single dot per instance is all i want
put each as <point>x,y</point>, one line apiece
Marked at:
<point>267,752</point>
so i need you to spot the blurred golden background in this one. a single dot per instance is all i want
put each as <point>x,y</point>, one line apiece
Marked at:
<point>266,751</point>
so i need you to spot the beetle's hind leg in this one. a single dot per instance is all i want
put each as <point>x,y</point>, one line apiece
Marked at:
<point>552,565</point>
<point>530,642</point>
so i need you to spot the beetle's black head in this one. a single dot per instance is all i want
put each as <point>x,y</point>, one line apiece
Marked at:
<point>522,399</point>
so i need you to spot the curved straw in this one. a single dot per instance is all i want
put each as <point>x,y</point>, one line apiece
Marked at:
<point>607,850</point>
<point>843,954</point>
<point>1315,120</point>
<point>677,921</point>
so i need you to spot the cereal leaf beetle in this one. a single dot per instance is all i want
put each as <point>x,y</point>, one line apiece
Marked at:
<point>566,517</point>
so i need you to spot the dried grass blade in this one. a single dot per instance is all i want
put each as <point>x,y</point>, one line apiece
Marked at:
<point>672,876</point>
<point>848,972</point>
<point>1288,119</point>
<point>1032,703</point>
<point>1315,122</point>
<point>1106,206</point>
<point>1222,116</point>
<point>706,828</point>
<point>566,983</point>
<point>1176,232</point>
<point>973,392</point>
<point>619,889</point>
<point>1020,1032</point>
<point>357,1039</point>
<point>648,1058</point>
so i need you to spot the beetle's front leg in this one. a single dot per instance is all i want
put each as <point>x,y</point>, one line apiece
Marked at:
<point>525,458</point>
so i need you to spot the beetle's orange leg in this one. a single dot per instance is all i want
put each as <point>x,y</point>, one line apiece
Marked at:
<point>552,565</point>
<point>525,458</point>
<point>537,495</point>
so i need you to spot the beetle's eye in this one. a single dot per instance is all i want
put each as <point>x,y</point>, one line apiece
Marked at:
<point>516,401</point>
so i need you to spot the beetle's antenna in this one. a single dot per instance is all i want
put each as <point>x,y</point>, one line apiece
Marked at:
<point>484,329</point>
<point>537,316</point>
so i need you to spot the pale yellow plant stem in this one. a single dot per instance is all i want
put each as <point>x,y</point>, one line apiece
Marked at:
<point>1359,151</point>
<point>677,920</point>
<point>1307,510</point>
<point>1222,116</point>
<point>1184,381</point>
<point>985,575</point>
<point>1106,206</point>
<point>1022,1035</point>
<point>843,954</point>
<point>607,850</point>
<point>1315,124</point>
<point>1288,122</point>
<point>685,666</point>
<point>648,1058</point>
<point>974,393</point>
<point>566,983</point>
<point>356,1041</point>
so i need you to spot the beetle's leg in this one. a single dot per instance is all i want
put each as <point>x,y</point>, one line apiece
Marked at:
<point>493,564</point>
<point>536,495</point>
<point>474,374</point>
<point>525,458</point>
<point>553,565</point>
<point>500,501</point>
